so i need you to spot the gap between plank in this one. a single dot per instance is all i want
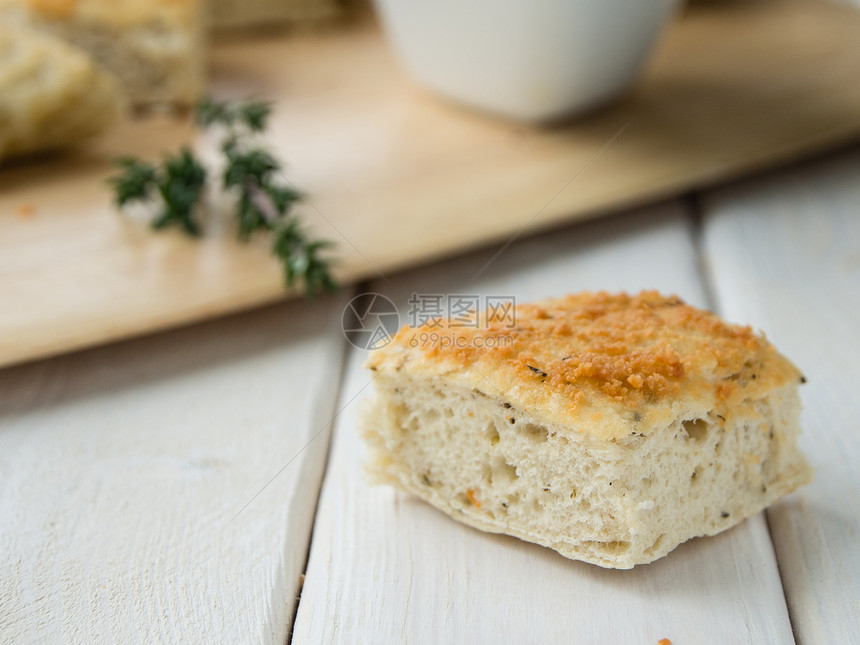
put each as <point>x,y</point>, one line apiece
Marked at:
<point>693,208</point>
<point>346,350</point>
<point>791,620</point>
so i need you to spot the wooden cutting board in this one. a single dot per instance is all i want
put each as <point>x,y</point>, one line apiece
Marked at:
<point>397,177</point>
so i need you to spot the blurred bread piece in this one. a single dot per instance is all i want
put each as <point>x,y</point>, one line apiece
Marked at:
<point>608,427</point>
<point>51,94</point>
<point>154,47</point>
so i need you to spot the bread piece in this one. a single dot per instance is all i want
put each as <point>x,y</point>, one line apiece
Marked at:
<point>610,428</point>
<point>51,94</point>
<point>154,47</point>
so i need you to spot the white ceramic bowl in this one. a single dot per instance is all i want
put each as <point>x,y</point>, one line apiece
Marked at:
<point>532,60</point>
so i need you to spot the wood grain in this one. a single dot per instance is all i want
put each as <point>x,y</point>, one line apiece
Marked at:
<point>785,255</point>
<point>397,177</point>
<point>386,568</point>
<point>122,470</point>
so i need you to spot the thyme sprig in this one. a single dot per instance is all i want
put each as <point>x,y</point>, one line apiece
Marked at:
<point>300,257</point>
<point>264,202</point>
<point>178,181</point>
<point>252,114</point>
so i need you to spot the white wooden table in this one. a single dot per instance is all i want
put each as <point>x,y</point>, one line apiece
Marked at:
<point>205,485</point>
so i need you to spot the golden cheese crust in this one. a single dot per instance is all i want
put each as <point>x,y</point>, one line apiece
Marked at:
<point>605,364</point>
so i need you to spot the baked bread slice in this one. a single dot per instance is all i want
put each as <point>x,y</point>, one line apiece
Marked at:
<point>154,47</point>
<point>610,428</point>
<point>51,94</point>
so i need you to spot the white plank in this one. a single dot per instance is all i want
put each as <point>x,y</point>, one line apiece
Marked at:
<point>785,255</point>
<point>121,470</point>
<point>386,568</point>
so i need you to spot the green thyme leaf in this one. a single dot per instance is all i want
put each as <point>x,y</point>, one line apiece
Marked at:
<point>302,261</point>
<point>255,114</point>
<point>135,182</point>
<point>282,197</point>
<point>252,114</point>
<point>180,184</point>
<point>251,215</point>
<point>247,165</point>
<point>209,112</point>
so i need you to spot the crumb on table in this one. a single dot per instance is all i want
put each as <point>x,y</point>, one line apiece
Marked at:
<point>25,211</point>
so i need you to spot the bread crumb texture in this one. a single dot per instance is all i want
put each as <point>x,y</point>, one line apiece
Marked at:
<point>610,428</point>
<point>51,95</point>
<point>154,48</point>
